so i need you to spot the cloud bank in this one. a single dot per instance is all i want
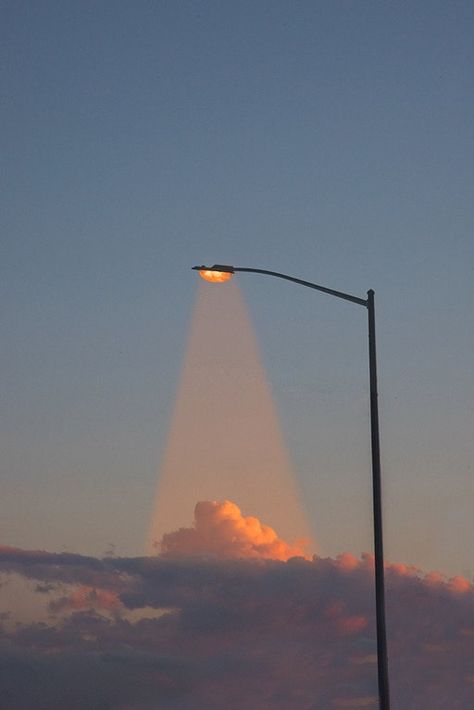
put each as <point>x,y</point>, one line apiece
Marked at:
<point>231,631</point>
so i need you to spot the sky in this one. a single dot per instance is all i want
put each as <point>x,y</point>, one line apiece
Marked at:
<point>331,141</point>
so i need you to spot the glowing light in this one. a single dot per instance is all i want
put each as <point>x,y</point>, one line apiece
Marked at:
<point>216,277</point>
<point>224,440</point>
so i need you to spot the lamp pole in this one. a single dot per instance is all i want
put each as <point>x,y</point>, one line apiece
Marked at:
<point>220,273</point>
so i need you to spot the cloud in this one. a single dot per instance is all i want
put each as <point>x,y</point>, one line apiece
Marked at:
<point>84,597</point>
<point>221,530</point>
<point>232,631</point>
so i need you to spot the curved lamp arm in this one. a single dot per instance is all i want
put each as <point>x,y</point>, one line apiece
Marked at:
<point>226,269</point>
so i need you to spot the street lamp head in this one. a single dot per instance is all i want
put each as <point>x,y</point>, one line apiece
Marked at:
<point>215,274</point>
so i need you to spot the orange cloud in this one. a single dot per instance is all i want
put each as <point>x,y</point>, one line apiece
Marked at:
<point>348,562</point>
<point>352,624</point>
<point>222,531</point>
<point>459,584</point>
<point>85,597</point>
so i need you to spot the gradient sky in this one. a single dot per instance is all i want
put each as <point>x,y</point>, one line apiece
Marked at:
<point>332,141</point>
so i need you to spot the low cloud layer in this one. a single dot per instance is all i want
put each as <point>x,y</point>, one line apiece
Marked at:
<point>231,632</point>
<point>221,530</point>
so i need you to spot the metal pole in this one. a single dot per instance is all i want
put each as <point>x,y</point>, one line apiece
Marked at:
<point>382,659</point>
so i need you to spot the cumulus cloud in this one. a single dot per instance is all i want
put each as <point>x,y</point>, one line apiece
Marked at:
<point>233,632</point>
<point>221,530</point>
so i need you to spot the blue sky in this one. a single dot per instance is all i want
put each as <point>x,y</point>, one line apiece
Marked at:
<point>331,141</point>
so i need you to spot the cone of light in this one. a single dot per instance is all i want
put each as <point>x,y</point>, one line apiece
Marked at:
<point>224,441</point>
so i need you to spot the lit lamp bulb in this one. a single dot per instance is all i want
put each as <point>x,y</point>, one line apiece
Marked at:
<point>215,277</point>
<point>217,274</point>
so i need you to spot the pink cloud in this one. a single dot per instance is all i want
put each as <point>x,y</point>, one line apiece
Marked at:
<point>84,597</point>
<point>220,529</point>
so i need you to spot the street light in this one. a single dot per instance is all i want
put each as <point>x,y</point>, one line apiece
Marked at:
<point>222,272</point>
